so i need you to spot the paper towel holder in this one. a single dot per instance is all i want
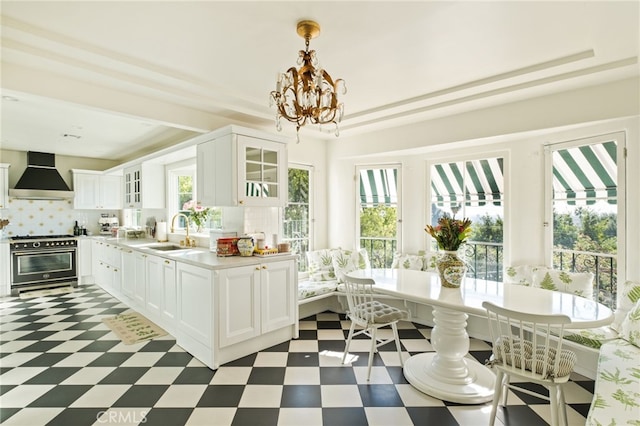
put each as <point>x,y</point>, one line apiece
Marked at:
<point>161,232</point>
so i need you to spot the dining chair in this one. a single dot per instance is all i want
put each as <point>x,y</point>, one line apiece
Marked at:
<point>370,314</point>
<point>529,347</point>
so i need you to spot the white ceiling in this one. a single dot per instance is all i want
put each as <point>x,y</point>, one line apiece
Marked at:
<point>129,77</point>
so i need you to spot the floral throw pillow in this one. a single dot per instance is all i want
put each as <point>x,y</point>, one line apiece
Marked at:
<point>408,261</point>
<point>629,296</point>
<point>578,283</point>
<point>630,327</point>
<point>345,261</point>
<point>522,274</point>
<point>320,265</point>
<point>430,261</point>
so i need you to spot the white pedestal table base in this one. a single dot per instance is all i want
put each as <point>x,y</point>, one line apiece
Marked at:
<point>446,374</point>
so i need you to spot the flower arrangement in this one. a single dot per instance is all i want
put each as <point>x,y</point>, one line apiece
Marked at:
<point>197,214</point>
<point>450,233</point>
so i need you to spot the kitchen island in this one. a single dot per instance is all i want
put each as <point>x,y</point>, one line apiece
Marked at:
<point>218,308</point>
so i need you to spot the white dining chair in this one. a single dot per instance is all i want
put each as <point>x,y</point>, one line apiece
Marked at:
<point>370,314</point>
<point>529,347</point>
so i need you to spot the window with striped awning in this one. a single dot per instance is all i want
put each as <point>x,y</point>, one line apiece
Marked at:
<point>473,183</point>
<point>379,187</point>
<point>586,174</point>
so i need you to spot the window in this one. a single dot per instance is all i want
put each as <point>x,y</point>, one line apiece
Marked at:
<point>181,194</point>
<point>586,209</point>
<point>473,189</point>
<point>297,227</point>
<point>379,209</point>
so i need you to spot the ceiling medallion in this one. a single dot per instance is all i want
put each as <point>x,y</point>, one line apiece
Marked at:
<point>308,94</point>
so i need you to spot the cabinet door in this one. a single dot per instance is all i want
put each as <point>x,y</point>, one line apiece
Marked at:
<point>205,173</point>
<point>110,192</point>
<point>238,304</point>
<point>132,188</point>
<point>277,285</point>
<point>194,314</point>
<point>128,286</point>
<point>128,189</point>
<point>154,287</point>
<point>5,275</point>
<point>84,260</point>
<point>86,189</point>
<point>262,172</point>
<point>140,282</point>
<point>169,302</point>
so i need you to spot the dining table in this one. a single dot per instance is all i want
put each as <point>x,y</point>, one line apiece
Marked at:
<point>448,373</point>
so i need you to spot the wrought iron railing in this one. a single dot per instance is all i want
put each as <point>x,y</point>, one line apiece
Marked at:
<point>380,250</point>
<point>603,266</point>
<point>296,233</point>
<point>484,260</point>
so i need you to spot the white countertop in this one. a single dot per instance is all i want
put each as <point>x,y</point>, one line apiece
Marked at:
<point>197,256</point>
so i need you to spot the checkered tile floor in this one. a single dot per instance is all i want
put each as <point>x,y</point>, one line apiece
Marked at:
<point>60,365</point>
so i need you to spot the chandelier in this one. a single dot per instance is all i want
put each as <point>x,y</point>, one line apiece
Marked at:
<point>308,94</point>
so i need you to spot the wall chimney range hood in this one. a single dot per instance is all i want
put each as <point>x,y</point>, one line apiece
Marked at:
<point>41,180</point>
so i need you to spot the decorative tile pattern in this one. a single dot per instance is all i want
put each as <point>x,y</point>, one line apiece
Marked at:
<point>49,377</point>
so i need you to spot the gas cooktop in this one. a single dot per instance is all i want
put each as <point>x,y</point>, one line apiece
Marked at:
<point>39,237</point>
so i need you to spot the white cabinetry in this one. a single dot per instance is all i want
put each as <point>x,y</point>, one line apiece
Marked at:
<point>254,300</point>
<point>5,274</point>
<point>106,260</point>
<point>140,280</point>
<point>4,187</point>
<point>144,186</point>
<point>242,168</point>
<point>85,262</point>
<point>161,291</point>
<point>194,315</point>
<point>128,268</point>
<point>94,190</point>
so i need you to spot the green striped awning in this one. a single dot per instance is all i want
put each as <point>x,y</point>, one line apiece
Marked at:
<point>473,183</point>
<point>253,189</point>
<point>585,174</point>
<point>379,187</point>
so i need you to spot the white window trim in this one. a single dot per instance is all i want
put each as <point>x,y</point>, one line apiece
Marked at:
<point>172,171</point>
<point>620,138</point>
<point>399,217</point>
<point>312,221</point>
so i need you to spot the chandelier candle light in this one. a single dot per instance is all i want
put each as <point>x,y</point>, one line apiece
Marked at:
<point>308,94</point>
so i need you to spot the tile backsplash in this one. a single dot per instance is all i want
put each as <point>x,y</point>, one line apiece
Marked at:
<point>47,217</point>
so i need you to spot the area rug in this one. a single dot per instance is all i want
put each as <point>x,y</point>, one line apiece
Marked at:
<point>46,292</point>
<point>131,327</point>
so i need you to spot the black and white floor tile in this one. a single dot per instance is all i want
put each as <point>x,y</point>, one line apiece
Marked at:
<point>60,365</point>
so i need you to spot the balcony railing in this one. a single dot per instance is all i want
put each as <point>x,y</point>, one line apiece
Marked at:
<point>380,250</point>
<point>603,266</point>
<point>485,261</point>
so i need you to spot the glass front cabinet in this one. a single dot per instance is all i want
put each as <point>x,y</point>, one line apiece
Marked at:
<point>242,170</point>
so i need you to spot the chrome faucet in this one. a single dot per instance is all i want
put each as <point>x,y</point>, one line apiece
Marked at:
<point>190,242</point>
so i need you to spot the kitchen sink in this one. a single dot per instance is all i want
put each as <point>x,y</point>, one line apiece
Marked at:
<point>166,247</point>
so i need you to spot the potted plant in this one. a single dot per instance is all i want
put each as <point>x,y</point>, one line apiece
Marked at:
<point>450,233</point>
<point>198,215</point>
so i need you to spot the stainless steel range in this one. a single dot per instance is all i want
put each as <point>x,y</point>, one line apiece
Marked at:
<point>43,261</point>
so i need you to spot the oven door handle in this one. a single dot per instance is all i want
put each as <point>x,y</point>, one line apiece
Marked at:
<point>36,252</point>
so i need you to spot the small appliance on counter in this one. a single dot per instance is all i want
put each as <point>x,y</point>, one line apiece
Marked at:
<point>108,223</point>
